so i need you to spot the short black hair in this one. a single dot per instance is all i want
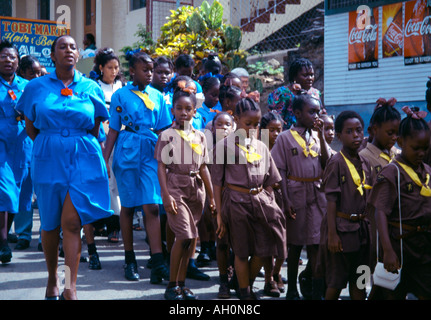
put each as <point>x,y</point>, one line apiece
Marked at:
<point>5,44</point>
<point>184,60</point>
<point>246,104</point>
<point>228,92</point>
<point>163,60</point>
<point>26,63</point>
<point>268,117</point>
<point>213,64</point>
<point>138,56</point>
<point>90,37</point>
<point>301,99</point>
<point>343,117</point>
<point>409,125</point>
<point>297,66</point>
<point>209,83</point>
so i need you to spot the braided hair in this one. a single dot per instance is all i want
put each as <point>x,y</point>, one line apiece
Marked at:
<point>410,124</point>
<point>244,105</point>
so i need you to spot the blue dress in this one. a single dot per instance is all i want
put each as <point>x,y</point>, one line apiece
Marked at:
<point>15,146</point>
<point>208,114</point>
<point>133,164</point>
<point>66,157</point>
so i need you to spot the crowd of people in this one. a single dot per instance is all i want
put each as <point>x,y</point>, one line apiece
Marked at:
<point>207,166</point>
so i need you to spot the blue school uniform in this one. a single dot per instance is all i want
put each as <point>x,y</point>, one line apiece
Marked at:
<point>15,145</point>
<point>66,157</point>
<point>207,114</point>
<point>134,165</point>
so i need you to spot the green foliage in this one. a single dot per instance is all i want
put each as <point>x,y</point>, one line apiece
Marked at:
<point>262,67</point>
<point>200,32</point>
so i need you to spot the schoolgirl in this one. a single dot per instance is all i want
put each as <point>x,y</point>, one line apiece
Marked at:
<point>301,154</point>
<point>247,211</point>
<point>143,112</point>
<point>345,239</point>
<point>415,197</point>
<point>181,152</point>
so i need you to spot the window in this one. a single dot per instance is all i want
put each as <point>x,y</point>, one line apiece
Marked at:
<point>137,4</point>
<point>43,9</point>
<point>6,8</point>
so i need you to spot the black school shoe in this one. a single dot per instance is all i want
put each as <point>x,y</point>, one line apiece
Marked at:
<point>131,271</point>
<point>5,254</point>
<point>174,293</point>
<point>188,294</point>
<point>22,244</point>
<point>94,262</point>
<point>194,273</point>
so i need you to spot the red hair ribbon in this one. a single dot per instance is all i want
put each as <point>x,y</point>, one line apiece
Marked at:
<point>66,92</point>
<point>187,87</point>
<point>382,102</point>
<point>414,114</point>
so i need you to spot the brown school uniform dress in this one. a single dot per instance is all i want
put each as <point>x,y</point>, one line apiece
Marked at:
<point>255,224</point>
<point>183,180</point>
<point>303,175</point>
<point>415,212</point>
<point>339,187</point>
<point>378,160</point>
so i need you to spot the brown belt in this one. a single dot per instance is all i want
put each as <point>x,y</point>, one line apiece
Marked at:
<point>253,191</point>
<point>351,217</point>
<point>303,179</point>
<point>412,229</point>
<point>191,173</point>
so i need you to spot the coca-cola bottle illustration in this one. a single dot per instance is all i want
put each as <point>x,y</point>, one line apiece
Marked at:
<point>370,39</point>
<point>413,26</point>
<point>393,39</point>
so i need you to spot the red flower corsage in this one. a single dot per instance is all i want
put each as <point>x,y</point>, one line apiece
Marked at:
<point>66,92</point>
<point>12,94</point>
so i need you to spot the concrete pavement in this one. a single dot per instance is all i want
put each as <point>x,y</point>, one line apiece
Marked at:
<point>25,277</point>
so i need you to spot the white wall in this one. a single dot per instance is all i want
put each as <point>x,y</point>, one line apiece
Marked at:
<point>391,79</point>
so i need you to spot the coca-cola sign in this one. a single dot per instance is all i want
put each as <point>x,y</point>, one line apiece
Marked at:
<point>363,42</point>
<point>392,30</point>
<point>417,32</point>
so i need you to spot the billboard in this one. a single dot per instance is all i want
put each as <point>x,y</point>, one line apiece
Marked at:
<point>392,30</point>
<point>363,40</point>
<point>417,32</point>
<point>32,37</point>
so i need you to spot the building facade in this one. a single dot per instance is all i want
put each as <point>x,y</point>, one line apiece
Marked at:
<point>391,70</point>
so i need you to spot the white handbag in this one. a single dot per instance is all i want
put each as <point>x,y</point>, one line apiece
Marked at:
<point>382,277</point>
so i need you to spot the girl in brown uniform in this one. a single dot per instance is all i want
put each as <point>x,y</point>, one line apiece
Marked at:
<point>415,194</point>
<point>344,244</point>
<point>380,151</point>
<point>247,210</point>
<point>301,155</point>
<point>181,152</point>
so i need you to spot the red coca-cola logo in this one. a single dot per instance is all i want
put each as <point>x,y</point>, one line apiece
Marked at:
<point>395,35</point>
<point>369,34</point>
<point>415,27</point>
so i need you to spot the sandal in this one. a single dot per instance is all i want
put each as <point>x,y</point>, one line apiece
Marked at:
<point>114,237</point>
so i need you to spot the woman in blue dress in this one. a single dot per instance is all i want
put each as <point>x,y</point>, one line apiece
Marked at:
<point>138,114</point>
<point>63,111</point>
<point>15,146</point>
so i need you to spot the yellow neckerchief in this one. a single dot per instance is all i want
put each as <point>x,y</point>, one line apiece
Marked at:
<point>145,98</point>
<point>303,144</point>
<point>385,156</point>
<point>425,189</point>
<point>355,176</point>
<point>251,155</point>
<point>188,138</point>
